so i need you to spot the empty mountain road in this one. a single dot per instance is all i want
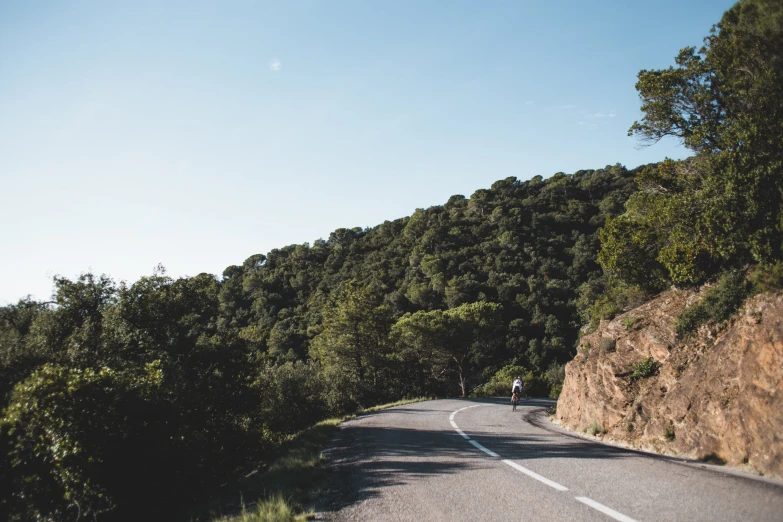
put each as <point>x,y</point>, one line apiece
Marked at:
<point>478,460</point>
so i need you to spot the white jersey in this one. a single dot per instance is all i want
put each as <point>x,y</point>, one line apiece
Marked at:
<point>517,382</point>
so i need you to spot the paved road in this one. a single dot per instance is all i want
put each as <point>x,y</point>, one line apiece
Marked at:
<point>411,463</point>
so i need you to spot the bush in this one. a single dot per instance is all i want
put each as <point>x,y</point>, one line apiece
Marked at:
<point>630,323</point>
<point>644,369</point>
<point>595,429</point>
<point>768,278</point>
<point>718,304</point>
<point>535,385</point>
<point>276,508</point>
<point>500,383</point>
<point>68,431</point>
<point>555,377</point>
<point>343,392</point>
<point>606,298</point>
<point>291,398</point>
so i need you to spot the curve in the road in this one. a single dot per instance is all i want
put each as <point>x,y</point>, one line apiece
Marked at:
<point>551,483</point>
<point>417,462</point>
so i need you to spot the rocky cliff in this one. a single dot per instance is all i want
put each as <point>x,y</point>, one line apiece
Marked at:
<point>716,396</point>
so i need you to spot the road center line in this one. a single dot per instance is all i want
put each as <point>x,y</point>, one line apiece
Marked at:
<point>485,450</point>
<point>451,417</point>
<point>491,453</point>
<point>532,474</point>
<point>605,510</point>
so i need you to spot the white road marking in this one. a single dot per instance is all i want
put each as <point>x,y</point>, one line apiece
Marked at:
<point>485,450</point>
<point>605,510</point>
<point>451,418</point>
<point>533,474</point>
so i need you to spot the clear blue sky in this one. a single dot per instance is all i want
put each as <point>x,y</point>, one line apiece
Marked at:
<point>198,133</point>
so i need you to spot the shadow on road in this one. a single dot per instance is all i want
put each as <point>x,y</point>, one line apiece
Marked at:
<point>365,457</point>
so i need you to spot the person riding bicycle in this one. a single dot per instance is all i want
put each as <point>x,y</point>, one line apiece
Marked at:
<point>517,387</point>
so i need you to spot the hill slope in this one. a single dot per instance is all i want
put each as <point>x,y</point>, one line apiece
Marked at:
<point>715,396</point>
<point>525,245</point>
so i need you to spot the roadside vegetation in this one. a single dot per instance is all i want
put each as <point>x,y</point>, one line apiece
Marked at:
<point>547,385</point>
<point>721,301</point>
<point>284,489</point>
<point>717,305</point>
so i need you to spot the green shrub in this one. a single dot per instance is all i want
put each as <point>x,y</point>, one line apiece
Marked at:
<point>718,304</point>
<point>290,397</point>
<point>644,369</point>
<point>535,385</point>
<point>343,391</point>
<point>607,298</point>
<point>768,278</point>
<point>630,323</point>
<point>273,509</point>
<point>668,432</point>
<point>69,430</point>
<point>595,429</point>
<point>555,377</point>
<point>500,383</point>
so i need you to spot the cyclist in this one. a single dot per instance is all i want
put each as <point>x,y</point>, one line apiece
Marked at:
<point>517,387</point>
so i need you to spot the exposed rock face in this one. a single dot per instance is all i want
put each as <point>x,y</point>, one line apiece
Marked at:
<point>714,397</point>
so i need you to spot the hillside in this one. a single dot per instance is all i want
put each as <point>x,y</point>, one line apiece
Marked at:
<point>527,246</point>
<point>714,395</point>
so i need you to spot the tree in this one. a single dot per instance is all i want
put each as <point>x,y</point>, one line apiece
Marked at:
<point>354,333</point>
<point>419,340</point>
<point>721,208</point>
<point>472,338</point>
<point>455,341</point>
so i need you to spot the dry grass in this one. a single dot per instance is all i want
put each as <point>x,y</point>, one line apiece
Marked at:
<point>274,509</point>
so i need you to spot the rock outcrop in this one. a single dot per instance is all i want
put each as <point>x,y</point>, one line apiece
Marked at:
<point>716,396</point>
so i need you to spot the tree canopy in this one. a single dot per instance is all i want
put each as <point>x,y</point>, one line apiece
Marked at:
<point>693,219</point>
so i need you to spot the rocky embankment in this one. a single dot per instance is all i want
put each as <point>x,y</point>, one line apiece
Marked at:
<point>716,396</point>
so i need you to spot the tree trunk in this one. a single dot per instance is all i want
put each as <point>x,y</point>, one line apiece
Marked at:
<point>463,382</point>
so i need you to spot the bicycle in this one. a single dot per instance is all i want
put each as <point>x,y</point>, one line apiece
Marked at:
<point>514,401</point>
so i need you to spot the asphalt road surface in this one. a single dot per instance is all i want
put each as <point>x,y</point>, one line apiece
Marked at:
<point>478,460</point>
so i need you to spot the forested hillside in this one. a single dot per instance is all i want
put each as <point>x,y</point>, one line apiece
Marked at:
<point>179,382</point>
<point>527,246</point>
